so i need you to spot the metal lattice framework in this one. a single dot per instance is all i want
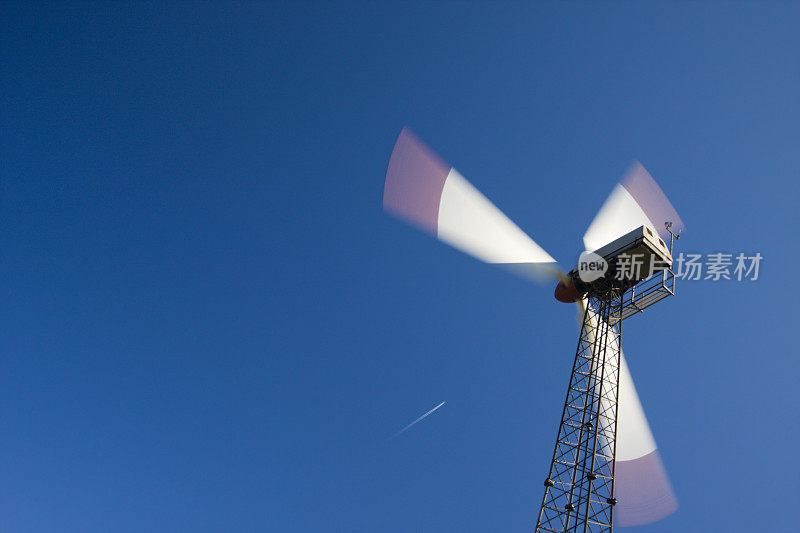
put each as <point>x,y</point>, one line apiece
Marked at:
<point>579,490</point>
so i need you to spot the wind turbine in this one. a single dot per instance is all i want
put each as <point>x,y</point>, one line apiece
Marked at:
<point>606,469</point>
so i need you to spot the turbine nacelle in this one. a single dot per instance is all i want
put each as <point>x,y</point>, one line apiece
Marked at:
<point>620,264</point>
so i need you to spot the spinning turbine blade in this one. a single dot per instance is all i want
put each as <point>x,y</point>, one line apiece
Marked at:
<point>430,194</point>
<point>635,201</point>
<point>641,486</point>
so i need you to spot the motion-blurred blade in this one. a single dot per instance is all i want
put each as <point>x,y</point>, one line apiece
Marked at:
<point>430,194</point>
<point>635,201</point>
<point>641,486</point>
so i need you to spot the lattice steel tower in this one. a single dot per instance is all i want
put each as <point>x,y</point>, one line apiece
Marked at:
<point>579,490</point>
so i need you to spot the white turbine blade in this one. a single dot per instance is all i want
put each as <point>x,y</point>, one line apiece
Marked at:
<point>635,201</point>
<point>430,194</point>
<point>641,486</point>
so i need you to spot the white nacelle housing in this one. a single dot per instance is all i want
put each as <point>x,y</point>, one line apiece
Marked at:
<point>641,246</point>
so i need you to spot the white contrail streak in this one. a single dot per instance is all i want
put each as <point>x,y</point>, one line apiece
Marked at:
<point>417,420</point>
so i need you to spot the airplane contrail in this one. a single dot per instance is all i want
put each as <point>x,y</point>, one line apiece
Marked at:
<point>417,420</point>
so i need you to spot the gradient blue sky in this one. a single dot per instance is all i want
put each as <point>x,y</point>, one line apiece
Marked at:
<point>208,323</point>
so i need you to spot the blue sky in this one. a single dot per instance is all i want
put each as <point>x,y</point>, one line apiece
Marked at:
<point>208,323</point>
